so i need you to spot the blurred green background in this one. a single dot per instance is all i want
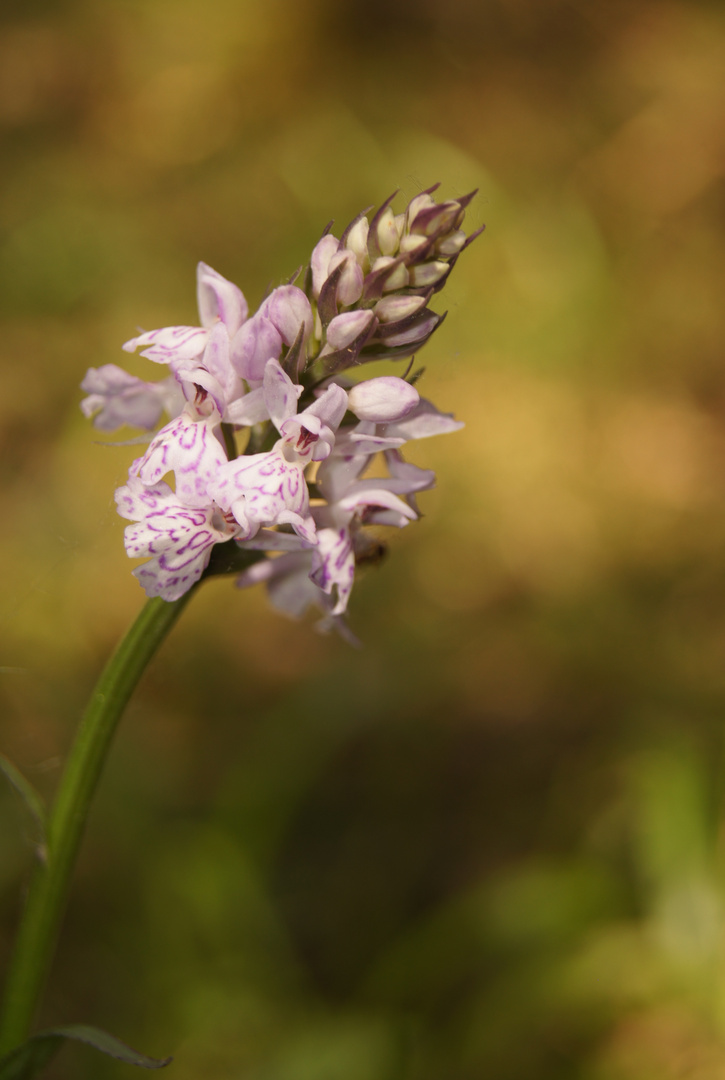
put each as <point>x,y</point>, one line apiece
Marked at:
<point>490,844</point>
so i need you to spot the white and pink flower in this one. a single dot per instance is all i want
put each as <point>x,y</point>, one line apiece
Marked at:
<point>300,498</point>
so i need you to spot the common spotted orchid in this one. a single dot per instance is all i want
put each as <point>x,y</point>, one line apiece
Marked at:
<point>268,456</point>
<point>270,443</point>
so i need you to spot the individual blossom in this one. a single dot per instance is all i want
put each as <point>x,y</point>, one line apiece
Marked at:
<point>176,538</point>
<point>227,354</point>
<point>200,356</point>
<point>353,501</point>
<point>323,575</point>
<point>350,502</point>
<point>116,398</point>
<point>219,301</point>
<point>270,488</point>
<point>293,593</point>
<point>190,448</point>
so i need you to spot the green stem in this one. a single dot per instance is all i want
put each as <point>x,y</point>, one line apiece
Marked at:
<point>51,877</point>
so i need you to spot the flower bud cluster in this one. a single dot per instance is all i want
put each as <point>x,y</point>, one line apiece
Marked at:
<point>268,443</point>
<point>372,287</point>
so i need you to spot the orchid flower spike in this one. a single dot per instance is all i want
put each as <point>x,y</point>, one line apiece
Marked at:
<point>269,441</point>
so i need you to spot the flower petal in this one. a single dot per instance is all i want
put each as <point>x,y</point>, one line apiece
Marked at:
<point>169,343</point>
<point>333,565</point>
<point>253,345</point>
<point>219,299</point>
<point>425,420</point>
<point>177,538</point>
<point>280,393</point>
<point>116,398</point>
<point>248,410</point>
<point>259,489</point>
<point>188,448</point>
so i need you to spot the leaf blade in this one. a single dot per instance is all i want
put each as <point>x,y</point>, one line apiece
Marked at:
<point>26,1061</point>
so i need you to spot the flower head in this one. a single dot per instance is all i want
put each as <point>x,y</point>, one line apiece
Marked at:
<point>302,496</point>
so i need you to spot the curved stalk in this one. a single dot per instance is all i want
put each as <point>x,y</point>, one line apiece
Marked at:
<point>49,885</point>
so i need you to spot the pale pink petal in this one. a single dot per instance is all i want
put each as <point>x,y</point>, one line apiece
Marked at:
<point>116,398</point>
<point>259,488</point>
<point>248,410</point>
<point>177,539</point>
<point>406,478</point>
<point>169,343</point>
<point>280,393</point>
<point>425,420</point>
<point>311,434</point>
<point>219,299</point>
<point>135,500</point>
<point>417,330</point>
<point>271,540</point>
<point>188,448</point>
<point>289,587</point>
<point>333,565</point>
<point>217,361</point>
<point>338,471</point>
<point>357,241</point>
<point>292,592</point>
<point>191,374</point>
<point>372,493</point>
<point>257,342</point>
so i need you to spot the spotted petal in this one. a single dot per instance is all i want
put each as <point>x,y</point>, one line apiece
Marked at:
<point>263,490</point>
<point>177,539</point>
<point>333,565</point>
<point>169,343</point>
<point>188,448</point>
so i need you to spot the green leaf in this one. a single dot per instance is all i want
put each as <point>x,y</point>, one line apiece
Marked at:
<point>33,802</point>
<point>27,1060</point>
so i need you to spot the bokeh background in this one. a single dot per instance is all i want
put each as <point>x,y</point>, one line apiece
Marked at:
<point>490,843</point>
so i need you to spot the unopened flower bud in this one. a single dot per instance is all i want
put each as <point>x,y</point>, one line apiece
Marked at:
<point>420,202</point>
<point>428,273</point>
<point>343,329</point>
<point>383,400</point>
<point>397,279</point>
<point>394,308</point>
<point>350,284</point>
<point>439,218</point>
<point>452,243</point>
<point>387,233</point>
<point>320,262</point>
<point>415,332</point>
<point>412,242</point>
<point>287,308</point>
<point>357,241</point>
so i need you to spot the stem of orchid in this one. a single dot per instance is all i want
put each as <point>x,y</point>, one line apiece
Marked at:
<point>229,443</point>
<point>50,882</point>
